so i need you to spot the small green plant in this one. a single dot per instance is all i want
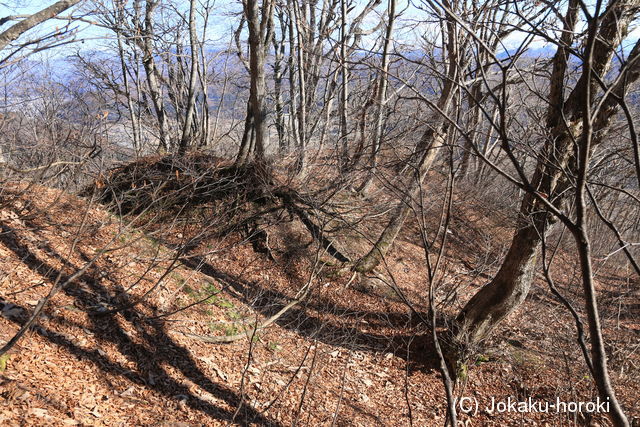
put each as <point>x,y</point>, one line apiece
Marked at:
<point>274,346</point>
<point>211,288</point>
<point>219,302</point>
<point>208,293</point>
<point>234,315</point>
<point>526,358</point>
<point>223,303</point>
<point>231,329</point>
<point>462,371</point>
<point>481,358</point>
<point>3,361</point>
<point>228,329</point>
<point>519,357</point>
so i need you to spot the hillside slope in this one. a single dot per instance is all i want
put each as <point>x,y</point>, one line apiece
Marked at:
<point>123,344</point>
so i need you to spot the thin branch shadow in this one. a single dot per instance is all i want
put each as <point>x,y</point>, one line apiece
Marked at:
<point>155,349</point>
<point>303,320</point>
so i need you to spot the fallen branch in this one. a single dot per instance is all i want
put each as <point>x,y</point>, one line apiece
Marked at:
<point>227,339</point>
<point>315,231</point>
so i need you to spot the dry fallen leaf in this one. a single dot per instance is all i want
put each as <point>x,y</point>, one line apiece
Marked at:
<point>209,361</point>
<point>39,412</point>
<point>95,412</point>
<point>367,382</point>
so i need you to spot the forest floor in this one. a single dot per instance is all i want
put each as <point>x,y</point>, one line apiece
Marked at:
<point>120,345</point>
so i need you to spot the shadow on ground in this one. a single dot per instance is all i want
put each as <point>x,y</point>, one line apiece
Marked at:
<point>156,348</point>
<point>307,320</point>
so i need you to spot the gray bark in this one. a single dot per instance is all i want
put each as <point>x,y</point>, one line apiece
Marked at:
<point>302,88</point>
<point>511,285</point>
<point>432,142</point>
<point>344,89</point>
<point>381,95</point>
<point>125,77</point>
<point>151,71</point>
<point>187,129</point>
<point>259,20</point>
<point>428,149</point>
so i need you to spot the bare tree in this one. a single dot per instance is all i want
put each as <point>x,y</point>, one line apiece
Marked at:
<point>381,93</point>
<point>455,54</point>
<point>151,69</point>
<point>187,129</point>
<point>16,30</point>
<point>259,18</point>
<point>577,120</point>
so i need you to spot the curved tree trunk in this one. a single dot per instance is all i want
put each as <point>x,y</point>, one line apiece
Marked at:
<point>248,135</point>
<point>383,244</point>
<point>563,164</point>
<point>428,148</point>
<point>509,287</point>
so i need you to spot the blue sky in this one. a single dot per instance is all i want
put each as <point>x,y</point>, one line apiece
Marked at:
<point>93,34</point>
<point>25,7</point>
<point>94,37</point>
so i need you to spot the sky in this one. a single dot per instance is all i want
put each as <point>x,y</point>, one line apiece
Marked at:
<point>92,37</point>
<point>93,34</point>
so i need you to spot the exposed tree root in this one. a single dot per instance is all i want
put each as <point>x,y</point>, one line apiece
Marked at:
<point>315,231</point>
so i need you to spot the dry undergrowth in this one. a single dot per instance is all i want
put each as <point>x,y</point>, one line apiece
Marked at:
<point>111,347</point>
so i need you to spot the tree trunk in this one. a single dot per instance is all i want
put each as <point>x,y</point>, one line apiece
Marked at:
<point>343,153</point>
<point>511,285</point>
<point>293,94</point>
<point>223,93</point>
<point>428,148</point>
<point>279,49</point>
<point>151,71</point>
<point>187,130</point>
<point>259,34</point>
<point>505,292</point>
<point>381,97</point>
<point>119,13</point>
<point>248,135</point>
<point>302,88</point>
<point>383,244</point>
